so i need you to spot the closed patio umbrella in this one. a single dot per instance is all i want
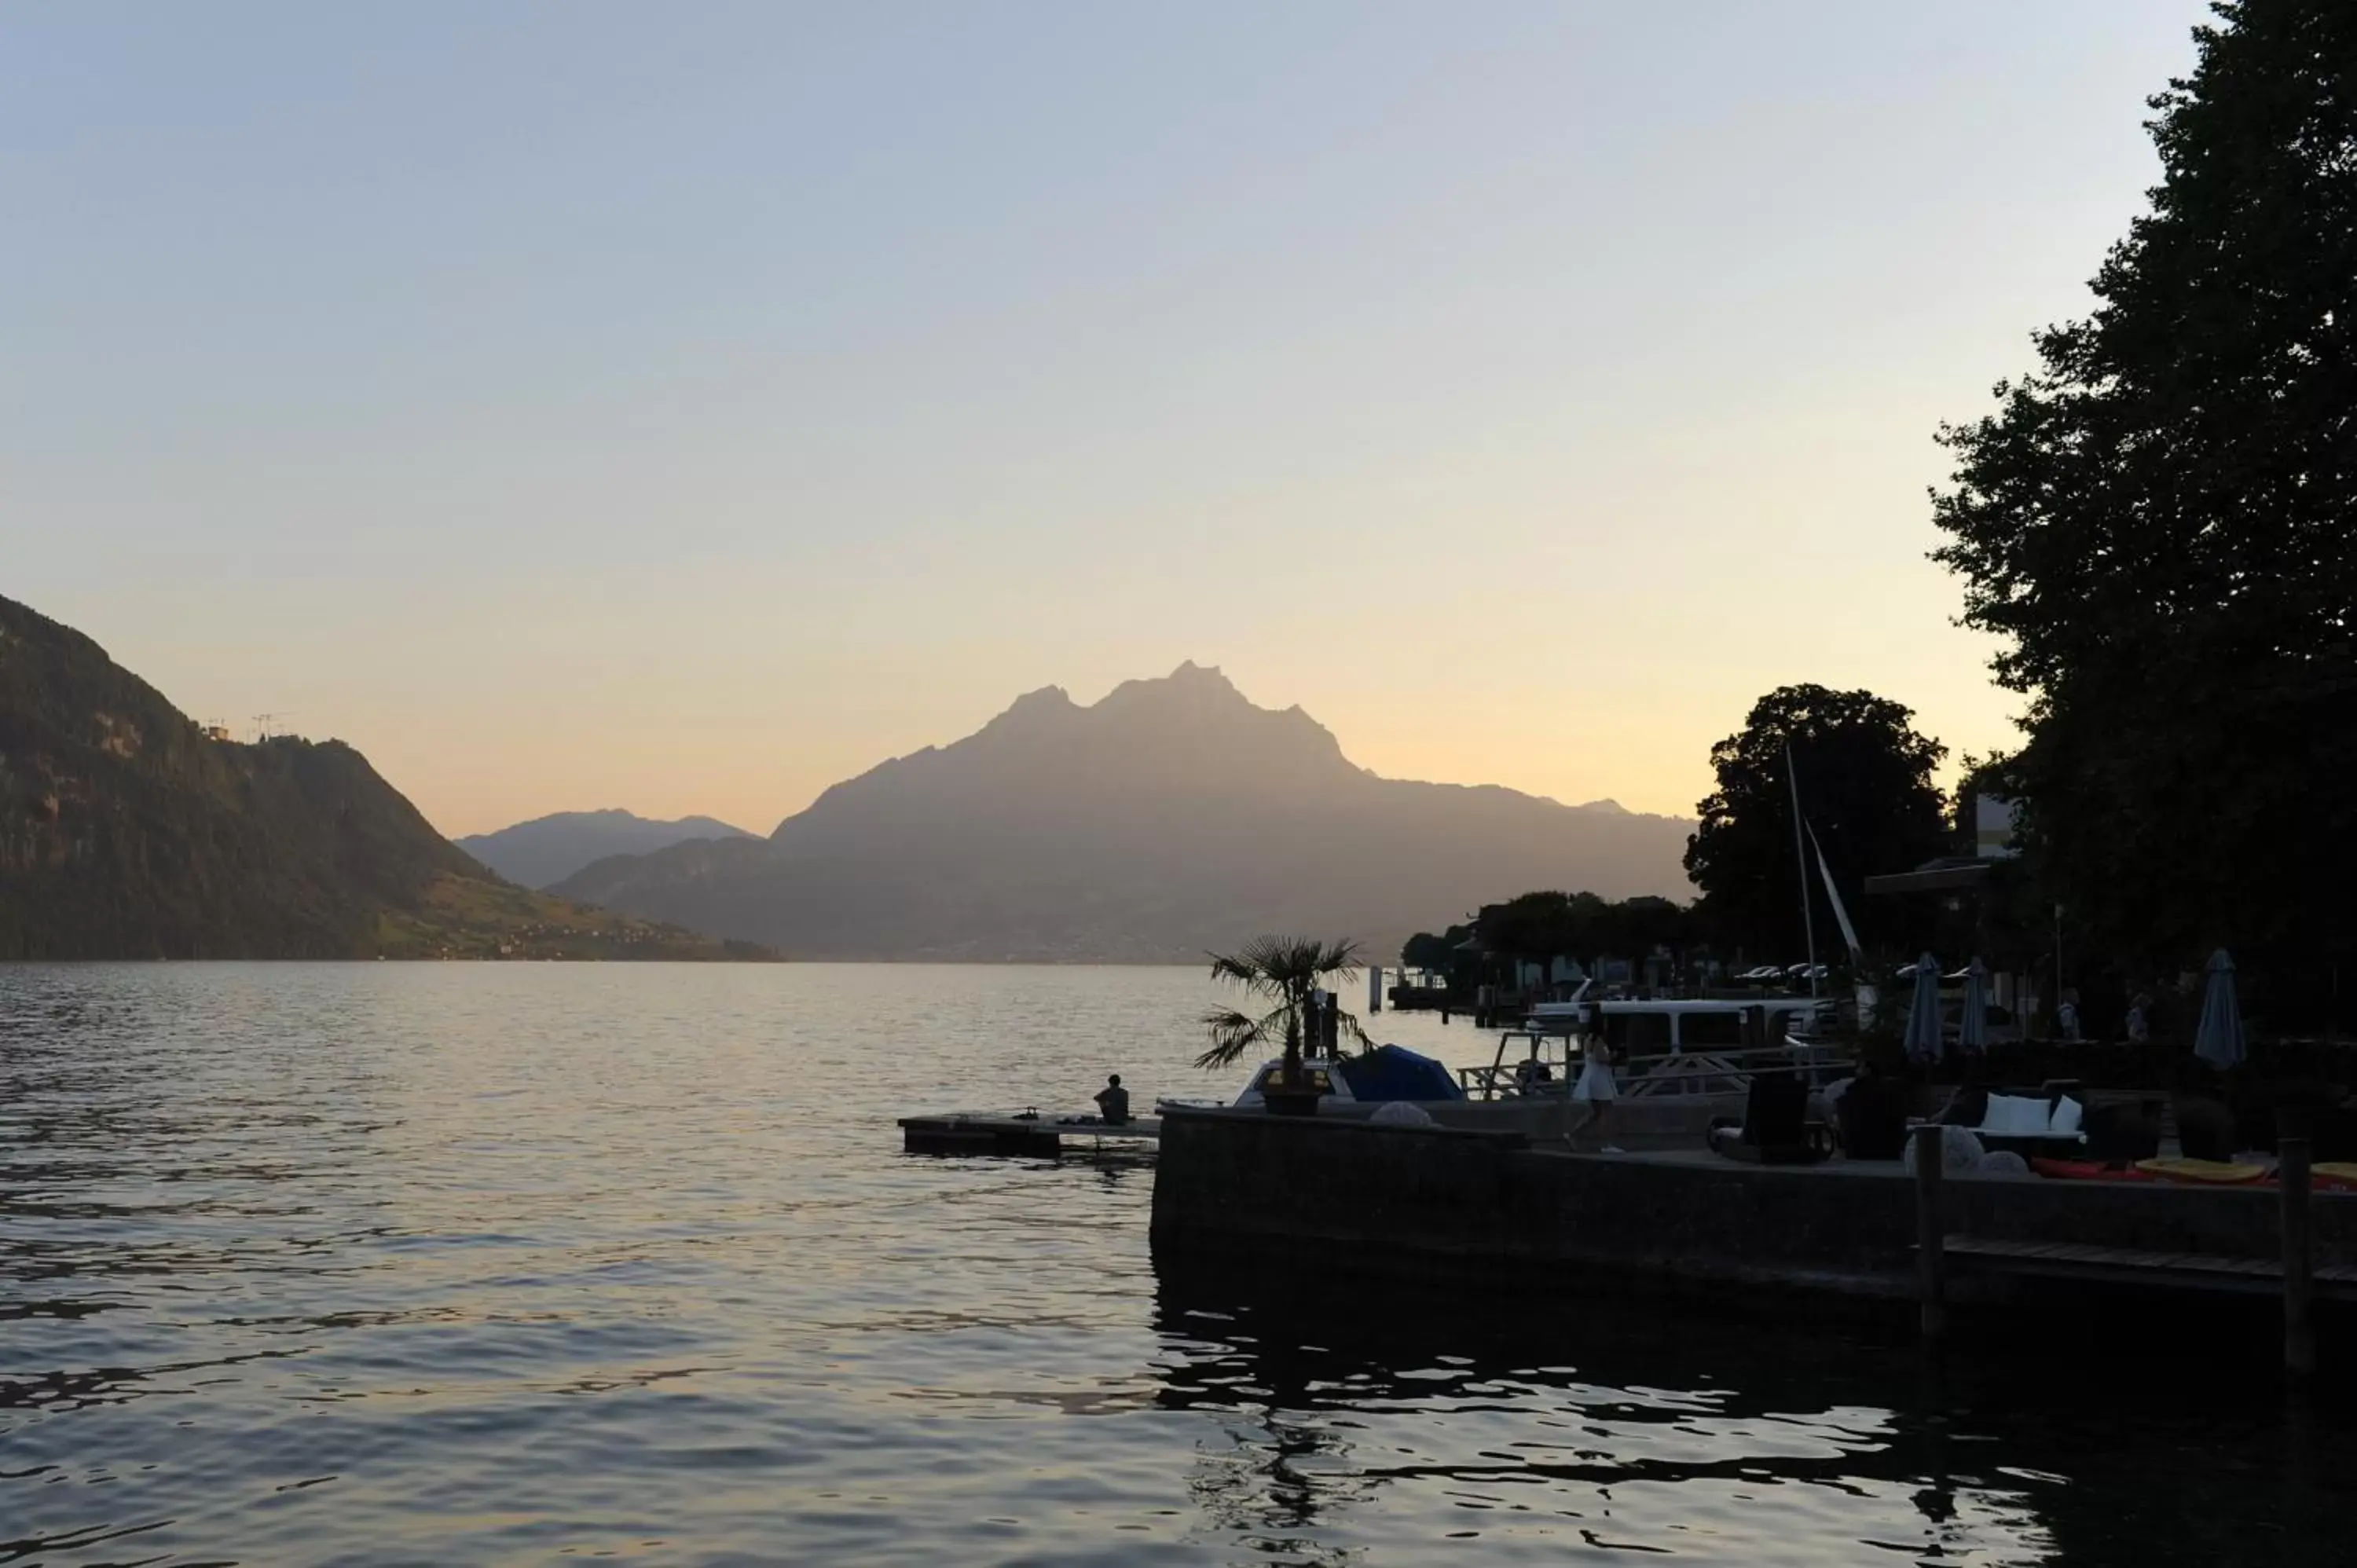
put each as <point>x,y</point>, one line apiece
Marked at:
<point>1922,1041</point>
<point>1972,1034</point>
<point>2219,1041</point>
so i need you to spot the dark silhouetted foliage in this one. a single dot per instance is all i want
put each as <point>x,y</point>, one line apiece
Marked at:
<point>1436,950</point>
<point>1283,972</point>
<point>2161,523</point>
<point>1865,788</point>
<point>1537,927</point>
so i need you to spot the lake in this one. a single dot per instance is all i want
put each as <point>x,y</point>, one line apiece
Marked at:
<point>383,1263</point>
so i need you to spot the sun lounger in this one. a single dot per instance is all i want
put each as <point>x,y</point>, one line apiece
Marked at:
<point>2205,1128</point>
<point>2032,1126</point>
<point>2120,1130</point>
<point>1776,1129</point>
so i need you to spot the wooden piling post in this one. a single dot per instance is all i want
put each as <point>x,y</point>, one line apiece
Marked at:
<point>1931,1234</point>
<point>2298,1277</point>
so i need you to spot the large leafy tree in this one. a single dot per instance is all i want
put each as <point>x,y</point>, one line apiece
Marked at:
<point>1866,790</point>
<point>2161,522</point>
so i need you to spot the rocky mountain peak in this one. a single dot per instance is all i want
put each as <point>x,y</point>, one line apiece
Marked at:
<point>1153,825</point>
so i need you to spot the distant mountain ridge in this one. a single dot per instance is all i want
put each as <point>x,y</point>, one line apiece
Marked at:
<point>1172,816</point>
<point>128,832</point>
<point>546,849</point>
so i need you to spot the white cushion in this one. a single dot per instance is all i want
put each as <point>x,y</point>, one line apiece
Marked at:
<point>2067,1112</point>
<point>2015,1116</point>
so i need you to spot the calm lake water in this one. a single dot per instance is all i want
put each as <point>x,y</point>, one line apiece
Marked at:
<point>479,1263</point>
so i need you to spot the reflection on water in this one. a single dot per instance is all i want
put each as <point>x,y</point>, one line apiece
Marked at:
<point>1541,1427</point>
<point>1651,1427</point>
<point>385,1264</point>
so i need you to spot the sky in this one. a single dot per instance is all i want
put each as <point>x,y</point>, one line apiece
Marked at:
<point>685,407</point>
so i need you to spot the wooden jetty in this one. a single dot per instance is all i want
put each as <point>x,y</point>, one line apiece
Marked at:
<point>1026,1136</point>
<point>2252,1262</point>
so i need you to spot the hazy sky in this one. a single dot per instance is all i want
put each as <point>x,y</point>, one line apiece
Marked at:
<point>684,406</point>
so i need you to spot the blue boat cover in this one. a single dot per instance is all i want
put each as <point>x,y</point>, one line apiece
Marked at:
<point>1394,1072</point>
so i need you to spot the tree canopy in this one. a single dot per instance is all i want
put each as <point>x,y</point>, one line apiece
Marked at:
<point>1539,927</point>
<point>1866,790</point>
<point>1435,949</point>
<point>2160,521</point>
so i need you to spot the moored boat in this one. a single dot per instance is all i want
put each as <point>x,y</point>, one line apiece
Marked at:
<point>1680,1064</point>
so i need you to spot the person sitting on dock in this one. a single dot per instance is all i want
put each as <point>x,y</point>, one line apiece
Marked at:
<point>1113,1101</point>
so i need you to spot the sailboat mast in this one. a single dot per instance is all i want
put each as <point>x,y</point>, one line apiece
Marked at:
<point>1801,864</point>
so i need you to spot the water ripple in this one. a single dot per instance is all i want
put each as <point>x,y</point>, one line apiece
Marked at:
<point>444,1264</point>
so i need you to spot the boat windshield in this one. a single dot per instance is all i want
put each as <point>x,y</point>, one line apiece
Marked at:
<point>1655,1029</point>
<point>1708,1029</point>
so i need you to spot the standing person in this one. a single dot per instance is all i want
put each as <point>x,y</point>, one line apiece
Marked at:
<point>2066,1017</point>
<point>1595,1089</point>
<point>2139,1026</point>
<point>1113,1101</point>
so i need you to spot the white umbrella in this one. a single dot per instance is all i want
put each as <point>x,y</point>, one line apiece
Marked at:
<point>1923,1042</point>
<point>1972,1034</point>
<point>2219,1041</point>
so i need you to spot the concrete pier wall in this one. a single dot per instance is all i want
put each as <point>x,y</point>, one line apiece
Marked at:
<point>1442,1200</point>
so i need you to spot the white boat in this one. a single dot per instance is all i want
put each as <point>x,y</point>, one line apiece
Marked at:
<point>1679,1066</point>
<point>1691,1045</point>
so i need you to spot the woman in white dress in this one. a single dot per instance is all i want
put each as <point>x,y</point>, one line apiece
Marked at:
<point>1596,1090</point>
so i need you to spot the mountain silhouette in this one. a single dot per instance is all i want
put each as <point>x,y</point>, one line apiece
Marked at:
<point>1172,817</point>
<point>546,849</point>
<point>127,832</point>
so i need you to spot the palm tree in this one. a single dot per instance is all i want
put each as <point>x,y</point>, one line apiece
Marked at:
<point>1284,971</point>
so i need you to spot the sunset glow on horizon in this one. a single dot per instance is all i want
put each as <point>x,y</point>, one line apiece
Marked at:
<point>683,411</point>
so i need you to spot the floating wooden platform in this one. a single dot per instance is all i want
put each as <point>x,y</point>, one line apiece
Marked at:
<point>1002,1133</point>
